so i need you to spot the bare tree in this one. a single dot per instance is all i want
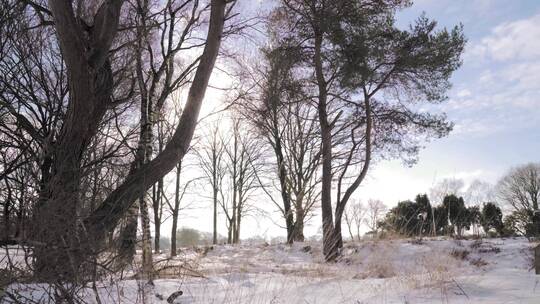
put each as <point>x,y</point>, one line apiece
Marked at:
<point>479,192</point>
<point>446,187</point>
<point>244,158</point>
<point>211,159</point>
<point>180,191</point>
<point>32,104</point>
<point>278,106</point>
<point>354,216</point>
<point>376,209</point>
<point>302,158</point>
<point>520,190</point>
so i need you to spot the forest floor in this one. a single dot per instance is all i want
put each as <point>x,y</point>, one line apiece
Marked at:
<point>390,271</point>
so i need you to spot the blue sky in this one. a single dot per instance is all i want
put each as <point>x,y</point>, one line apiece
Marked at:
<point>494,101</point>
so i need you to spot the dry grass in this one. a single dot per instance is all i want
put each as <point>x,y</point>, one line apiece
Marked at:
<point>478,262</point>
<point>460,254</point>
<point>235,275</point>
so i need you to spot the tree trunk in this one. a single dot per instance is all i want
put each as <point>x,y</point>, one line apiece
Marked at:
<point>537,259</point>
<point>237,226</point>
<point>20,226</point>
<point>233,222</point>
<point>337,231</point>
<point>535,222</point>
<point>214,235</point>
<point>329,248</point>
<point>349,222</point>
<point>147,265</point>
<point>173,234</point>
<point>229,232</point>
<point>176,209</point>
<point>127,240</point>
<point>54,226</point>
<point>288,214</point>
<point>235,189</point>
<point>158,201</point>
<point>7,211</point>
<point>215,193</point>
<point>299,225</point>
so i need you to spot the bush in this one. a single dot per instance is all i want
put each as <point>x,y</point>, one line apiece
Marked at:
<point>492,234</point>
<point>492,219</point>
<point>410,218</point>
<point>517,223</point>
<point>460,254</point>
<point>187,237</point>
<point>164,243</point>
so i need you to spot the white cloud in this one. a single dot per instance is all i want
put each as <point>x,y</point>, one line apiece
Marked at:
<point>511,40</point>
<point>526,75</point>
<point>463,93</point>
<point>486,77</point>
<point>504,96</point>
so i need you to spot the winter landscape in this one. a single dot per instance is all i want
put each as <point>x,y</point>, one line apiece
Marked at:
<point>393,271</point>
<point>283,151</point>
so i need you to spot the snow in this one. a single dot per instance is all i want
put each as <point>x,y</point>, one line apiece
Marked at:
<point>392,271</point>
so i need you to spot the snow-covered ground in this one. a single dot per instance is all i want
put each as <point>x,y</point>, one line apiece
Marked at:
<point>394,271</point>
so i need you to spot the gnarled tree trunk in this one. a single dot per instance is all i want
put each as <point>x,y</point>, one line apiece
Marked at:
<point>56,221</point>
<point>70,241</point>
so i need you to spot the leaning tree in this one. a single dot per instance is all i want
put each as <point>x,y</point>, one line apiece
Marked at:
<point>94,80</point>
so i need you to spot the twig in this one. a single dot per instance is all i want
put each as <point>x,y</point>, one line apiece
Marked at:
<point>463,291</point>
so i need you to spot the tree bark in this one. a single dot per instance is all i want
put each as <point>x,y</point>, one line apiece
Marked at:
<point>298,235</point>
<point>127,240</point>
<point>338,237</point>
<point>229,232</point>
<point>237,230</point>
<point>234,164</point>
<point>176,209</point>
<point>7,211</point>
<point>329,246</point>
<point>282,170</point>
<point>537,259</point>
<point>215,191</point>
<point>157,216</point>
<point>147,263</point>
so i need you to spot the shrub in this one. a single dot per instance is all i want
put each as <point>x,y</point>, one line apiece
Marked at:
<point>492,219</point>
<point>478,262</point>
<point>460,254</point>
